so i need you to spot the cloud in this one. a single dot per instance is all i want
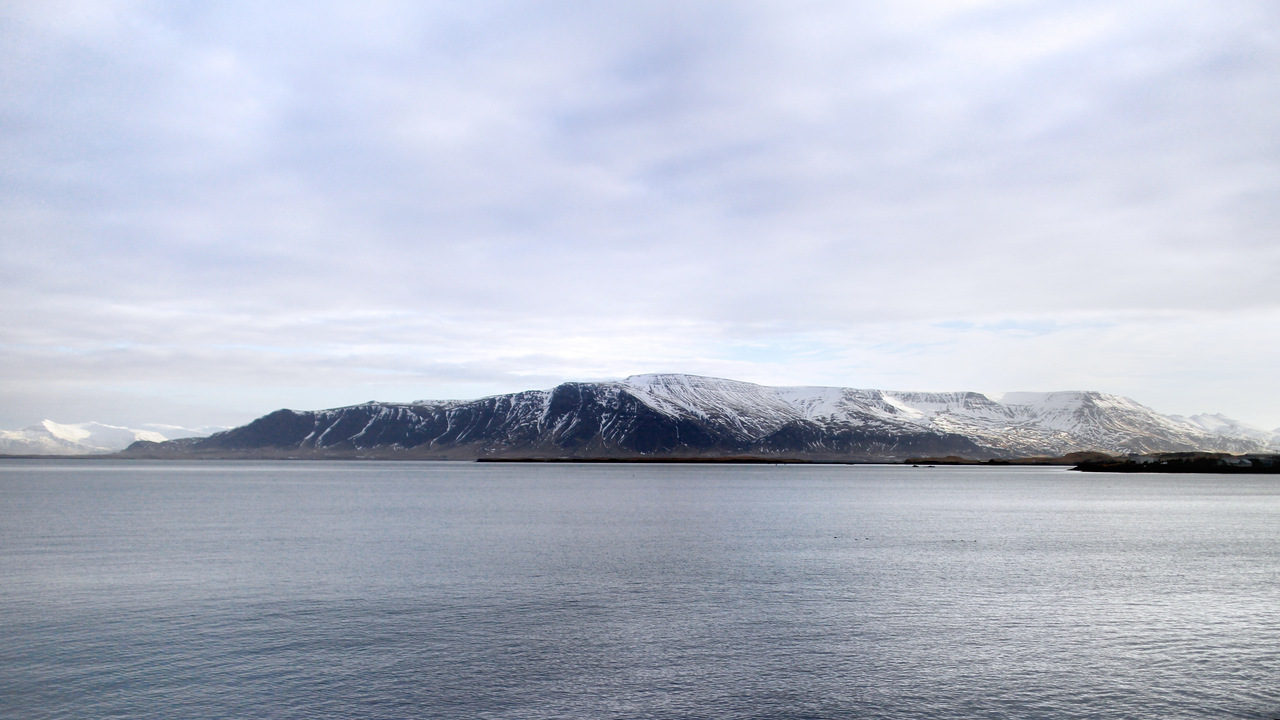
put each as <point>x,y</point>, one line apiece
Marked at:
<point>449,199</point>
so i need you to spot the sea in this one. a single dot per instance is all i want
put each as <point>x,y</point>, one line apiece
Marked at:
<point>149,589</point>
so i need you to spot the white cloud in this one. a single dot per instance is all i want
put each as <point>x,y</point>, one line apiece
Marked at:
<point>257,201</point>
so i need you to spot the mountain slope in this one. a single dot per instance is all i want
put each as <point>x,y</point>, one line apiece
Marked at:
<point>691,416</point>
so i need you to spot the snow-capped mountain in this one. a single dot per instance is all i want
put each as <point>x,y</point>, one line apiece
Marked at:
<point>692,416</point>
<point>1222,425</point>
<point>51,438</point>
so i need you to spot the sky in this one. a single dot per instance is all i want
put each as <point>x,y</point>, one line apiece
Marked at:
<point>209,211</point>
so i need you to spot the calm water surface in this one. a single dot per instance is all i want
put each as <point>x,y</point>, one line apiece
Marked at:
<point>454,590</point>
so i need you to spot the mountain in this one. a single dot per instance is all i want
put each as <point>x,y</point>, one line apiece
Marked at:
<point>1222,425</point>
<point>692,416</point>
<point>89,438</point>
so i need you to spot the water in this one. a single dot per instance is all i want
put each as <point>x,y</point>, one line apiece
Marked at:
<point>451,590</point>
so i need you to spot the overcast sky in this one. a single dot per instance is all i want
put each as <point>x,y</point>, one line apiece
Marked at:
<point>212,210</point>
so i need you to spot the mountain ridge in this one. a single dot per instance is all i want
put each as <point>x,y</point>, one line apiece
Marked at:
<point>698,417</point>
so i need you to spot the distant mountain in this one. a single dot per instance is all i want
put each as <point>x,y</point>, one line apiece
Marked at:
<point>691,416</point>
<point>1222,425</point>
<point>51,438</point>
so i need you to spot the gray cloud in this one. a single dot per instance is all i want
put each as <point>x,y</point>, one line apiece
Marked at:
<point>254,204</point>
